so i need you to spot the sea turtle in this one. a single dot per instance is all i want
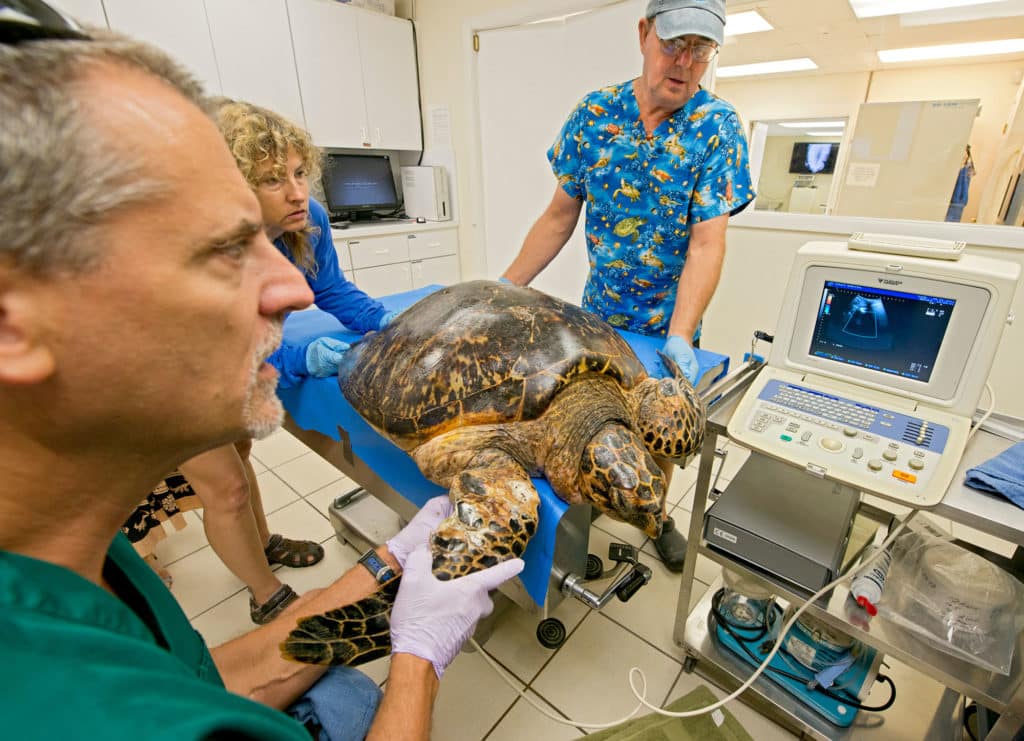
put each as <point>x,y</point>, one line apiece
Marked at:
<point>485,384</point>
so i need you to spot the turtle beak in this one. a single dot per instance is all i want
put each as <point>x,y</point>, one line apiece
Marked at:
<point>671,366</point>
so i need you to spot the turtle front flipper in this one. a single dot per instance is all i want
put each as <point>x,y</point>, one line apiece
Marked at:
<point>352,635</point>
<point>619,477</point>
<point>495,516</point>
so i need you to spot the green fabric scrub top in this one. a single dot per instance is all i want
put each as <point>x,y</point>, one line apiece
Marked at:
<point>78,662</point>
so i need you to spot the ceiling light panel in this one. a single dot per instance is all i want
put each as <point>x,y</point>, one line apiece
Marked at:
<point>766,68</point>
<point>813,124</point>
<point>875,8</point>
<point>750,21</point>
<point>953,51</point>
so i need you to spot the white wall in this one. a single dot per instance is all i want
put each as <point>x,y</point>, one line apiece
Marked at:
<point>791,97</point>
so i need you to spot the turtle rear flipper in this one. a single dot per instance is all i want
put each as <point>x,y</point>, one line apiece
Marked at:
<point>351,635</point>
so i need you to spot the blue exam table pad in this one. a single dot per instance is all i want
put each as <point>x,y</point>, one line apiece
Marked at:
<point>318,404</point>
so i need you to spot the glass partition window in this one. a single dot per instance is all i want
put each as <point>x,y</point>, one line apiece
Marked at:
<point>905,111</point>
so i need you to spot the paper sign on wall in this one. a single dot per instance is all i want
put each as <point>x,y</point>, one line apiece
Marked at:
<point>863,174</point>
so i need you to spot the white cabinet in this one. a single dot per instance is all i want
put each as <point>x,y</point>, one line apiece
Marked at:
<point>326,43</point>
<point>179,28</point>
<point>395,258</point>
<point>384,279</point>
<point>443,270</point>
<point>254,57</point>
<point>357,75</point>
<point>89,12</point>
<point>389,81</point>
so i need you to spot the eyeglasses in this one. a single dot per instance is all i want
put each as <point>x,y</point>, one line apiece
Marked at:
<point>32,20</point>
<point>700,53</point>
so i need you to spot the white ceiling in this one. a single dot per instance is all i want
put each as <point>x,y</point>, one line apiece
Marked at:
<point>829,33</point>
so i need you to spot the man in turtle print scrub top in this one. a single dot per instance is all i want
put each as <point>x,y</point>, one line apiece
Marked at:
<point>661,164</point>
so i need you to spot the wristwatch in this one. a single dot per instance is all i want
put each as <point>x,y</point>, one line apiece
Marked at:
<point>377,566</point>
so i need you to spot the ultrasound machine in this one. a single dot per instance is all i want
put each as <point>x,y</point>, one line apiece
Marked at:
<point>878,365</point>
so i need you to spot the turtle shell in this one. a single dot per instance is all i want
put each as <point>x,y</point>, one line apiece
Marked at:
<point>478,353</point>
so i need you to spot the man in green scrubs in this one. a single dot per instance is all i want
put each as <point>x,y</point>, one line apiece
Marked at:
<point>139,299</point>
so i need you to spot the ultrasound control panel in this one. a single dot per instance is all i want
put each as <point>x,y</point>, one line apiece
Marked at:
<point>907,457</point>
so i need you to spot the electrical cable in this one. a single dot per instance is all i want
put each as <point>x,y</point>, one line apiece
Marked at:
<point>641,694</point>
<point>845,698</point>
<point>988,412</point>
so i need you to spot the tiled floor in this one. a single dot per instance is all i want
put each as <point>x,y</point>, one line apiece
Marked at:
<point>585,679</point>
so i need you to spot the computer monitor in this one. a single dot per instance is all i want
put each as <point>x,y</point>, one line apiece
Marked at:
<point>813,158</point>
<point>357,185</point>
<point>920,328</point>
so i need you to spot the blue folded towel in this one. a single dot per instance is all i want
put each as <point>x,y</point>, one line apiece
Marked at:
<point>1003,474</point>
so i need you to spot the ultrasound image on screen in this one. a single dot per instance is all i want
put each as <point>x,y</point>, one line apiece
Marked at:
<point>358,182</point>
<point>888,331</point>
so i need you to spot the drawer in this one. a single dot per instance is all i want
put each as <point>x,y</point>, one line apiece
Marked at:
<point>384,279</point>
<point>344,261</point>
<point>433,244</point>
<point>369,252</point>
<point>442,270</point>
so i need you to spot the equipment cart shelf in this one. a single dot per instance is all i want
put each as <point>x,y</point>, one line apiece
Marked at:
<point>992,515</point>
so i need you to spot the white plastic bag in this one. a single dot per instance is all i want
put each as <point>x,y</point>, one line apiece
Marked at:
<point>956,600</point>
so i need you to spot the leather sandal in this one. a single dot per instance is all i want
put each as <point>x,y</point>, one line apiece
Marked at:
<point>294,553</point>
<point>263,614</point>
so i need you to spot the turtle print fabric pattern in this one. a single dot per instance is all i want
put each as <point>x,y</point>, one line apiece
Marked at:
<point>643,193</point>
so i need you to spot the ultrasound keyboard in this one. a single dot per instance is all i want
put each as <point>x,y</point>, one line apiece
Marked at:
<point>906,456</point>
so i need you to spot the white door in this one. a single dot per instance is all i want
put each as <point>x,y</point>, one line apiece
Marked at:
<point>326,42</point>
<point>89,12</point>
<point>255,60</point>
<point>529,79</point>
<point>389,81</point>
<point>179,28</point>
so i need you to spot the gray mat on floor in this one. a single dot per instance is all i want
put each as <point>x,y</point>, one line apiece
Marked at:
<point>718,725</point>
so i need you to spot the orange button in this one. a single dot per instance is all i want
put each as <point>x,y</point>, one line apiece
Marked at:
<point>904,476</point>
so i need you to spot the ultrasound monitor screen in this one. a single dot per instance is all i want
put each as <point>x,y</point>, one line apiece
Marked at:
<point>354,182</point>
<point>887,331</point>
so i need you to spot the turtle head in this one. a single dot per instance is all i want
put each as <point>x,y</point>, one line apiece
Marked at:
<point>619,477</point>
<point>669,415</point>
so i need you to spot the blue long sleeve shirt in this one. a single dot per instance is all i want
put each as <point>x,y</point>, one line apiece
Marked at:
<point>332,292</point>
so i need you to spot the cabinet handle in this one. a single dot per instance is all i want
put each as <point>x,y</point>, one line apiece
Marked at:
<point>354,241</point>
<point>412,236</point>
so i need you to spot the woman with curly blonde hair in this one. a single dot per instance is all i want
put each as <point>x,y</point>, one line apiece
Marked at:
<point>278,159</point>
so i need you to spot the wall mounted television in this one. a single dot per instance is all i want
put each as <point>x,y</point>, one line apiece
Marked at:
<point>814,158</point>
<point>357,185</point>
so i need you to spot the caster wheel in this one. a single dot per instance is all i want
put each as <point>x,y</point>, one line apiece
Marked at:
<point>551,633</point>
<point>689,664</point>
<point>595,566</point>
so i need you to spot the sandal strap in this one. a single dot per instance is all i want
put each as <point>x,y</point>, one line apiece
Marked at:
<point>275,604</point>
<point>293,553</point>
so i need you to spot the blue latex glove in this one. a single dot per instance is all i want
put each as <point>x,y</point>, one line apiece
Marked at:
<point>505,280</point>
<point>387,319</point>
<point>323,356</point>
<point>432,618</point>
<point>682,353</point>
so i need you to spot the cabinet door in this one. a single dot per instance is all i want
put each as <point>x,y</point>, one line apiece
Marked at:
<point>384,280</point>
<point>84,11</point>
<point>179,28</point>
<point>428,244</point>
<point>383,250</point>
<point>326,42</point>
<point>255,58</point>
<point>436,270</point>
<point>389,79</point>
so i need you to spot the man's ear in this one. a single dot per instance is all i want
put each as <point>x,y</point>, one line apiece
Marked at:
<point>642,28</point>
<point>25,356</point>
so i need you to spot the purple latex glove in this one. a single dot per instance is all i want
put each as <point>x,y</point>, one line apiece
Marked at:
<point>431,618</point>
<point>682,353</point>
<point>387,319</point>
<point>418,531</point>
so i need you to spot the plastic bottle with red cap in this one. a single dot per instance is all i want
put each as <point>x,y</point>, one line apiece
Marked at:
<point>866,588</point>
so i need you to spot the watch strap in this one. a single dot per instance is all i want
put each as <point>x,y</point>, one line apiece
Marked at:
<point>377,566</point>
